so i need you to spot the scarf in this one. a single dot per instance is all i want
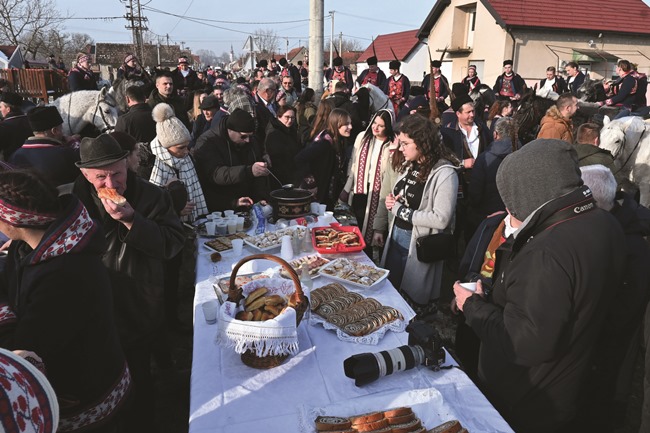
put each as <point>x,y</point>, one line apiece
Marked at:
<point>167,167</point>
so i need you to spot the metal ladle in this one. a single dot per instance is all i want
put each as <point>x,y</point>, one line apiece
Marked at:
<point>284,186</point>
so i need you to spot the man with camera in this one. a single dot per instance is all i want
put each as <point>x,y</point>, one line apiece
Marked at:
<point>553,285</point>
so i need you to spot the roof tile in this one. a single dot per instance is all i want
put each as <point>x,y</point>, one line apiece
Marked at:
<point>402,43</point>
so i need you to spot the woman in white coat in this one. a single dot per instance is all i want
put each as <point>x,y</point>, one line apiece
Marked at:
<point>423,202</point>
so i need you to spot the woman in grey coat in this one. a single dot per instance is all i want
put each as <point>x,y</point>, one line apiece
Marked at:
<point>423,202</point>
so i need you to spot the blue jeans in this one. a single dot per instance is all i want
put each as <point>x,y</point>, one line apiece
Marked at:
<point>398,252</point>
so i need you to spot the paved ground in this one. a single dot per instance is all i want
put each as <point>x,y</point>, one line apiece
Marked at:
<point>172,384</point>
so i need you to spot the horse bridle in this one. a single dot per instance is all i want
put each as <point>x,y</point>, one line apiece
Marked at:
<point>107,126</point>
<point>636,146</point>
<point>383,106</point>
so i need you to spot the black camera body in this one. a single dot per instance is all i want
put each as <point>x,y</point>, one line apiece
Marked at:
<point>424,348</point>
<point>427,337</point>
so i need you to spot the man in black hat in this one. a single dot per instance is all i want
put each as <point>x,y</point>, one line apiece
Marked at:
<point>14,127</point>
<point>551,292</point>
<point>372,75</point>
<point>398,87</point>
<point>289,70</point>
<point>440,85</point>
<point>340,73</point>
<point>509,85</point>
<point>137,122</point>
<point>229,162</point>
<point>47,152</point>
<point>209,109</point>
<point>141,235</point>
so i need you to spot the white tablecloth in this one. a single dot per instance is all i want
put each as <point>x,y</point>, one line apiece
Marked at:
<point>227,396</point>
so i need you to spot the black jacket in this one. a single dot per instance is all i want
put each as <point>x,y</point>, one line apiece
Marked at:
<point>342,100</point>
<point>282,145</point>
<point>225,169</point>
<point>64,310</point>
<point>176,103</point>
<point>518,84</point>
<point>558,87</point>
<point>50,157</point>
<point>14,130</point>
<point>551,294</point>
<point>576,83</point>
<point>135,258</point>
<point>138,123</point>
<point>80,79</point>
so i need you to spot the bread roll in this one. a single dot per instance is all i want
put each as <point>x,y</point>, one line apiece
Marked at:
<point>112,195</point>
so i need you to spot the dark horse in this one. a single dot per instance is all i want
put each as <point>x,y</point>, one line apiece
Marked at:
<point>591,91</point>
<point>529,113</point>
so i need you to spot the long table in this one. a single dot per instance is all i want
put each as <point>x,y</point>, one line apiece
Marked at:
<point>227,396</point>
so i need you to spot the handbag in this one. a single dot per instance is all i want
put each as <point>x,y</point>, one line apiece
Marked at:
<point>435,247</point>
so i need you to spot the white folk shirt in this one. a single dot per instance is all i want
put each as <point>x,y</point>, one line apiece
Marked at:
<point>472,140</point>
<point>549,84</point>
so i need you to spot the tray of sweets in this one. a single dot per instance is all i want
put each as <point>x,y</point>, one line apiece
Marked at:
<point>337,239</point>
<point>224,283</point>
<point>223,243</point>
<point>355,273</point>
<point>313,261</point>
<point>269,240</point>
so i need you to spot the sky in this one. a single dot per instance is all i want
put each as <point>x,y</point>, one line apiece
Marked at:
<point>357,19</point>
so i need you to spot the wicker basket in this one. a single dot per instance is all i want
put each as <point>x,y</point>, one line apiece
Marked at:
<point>298,301</point>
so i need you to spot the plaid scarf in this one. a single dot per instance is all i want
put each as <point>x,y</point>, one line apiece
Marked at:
<point>167,167</point>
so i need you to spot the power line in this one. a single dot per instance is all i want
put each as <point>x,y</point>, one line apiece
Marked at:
<point>377,21</point>
<point>179,20</point>
<point>224,22</point>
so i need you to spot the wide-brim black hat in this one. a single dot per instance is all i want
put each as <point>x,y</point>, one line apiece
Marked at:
<point>11,98</point>
<point>44,118</point>
<point>460,100</point>
<point>100,152</point>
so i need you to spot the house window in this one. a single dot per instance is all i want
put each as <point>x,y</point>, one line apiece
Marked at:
<point>471,25</point>
<point>462,35</point>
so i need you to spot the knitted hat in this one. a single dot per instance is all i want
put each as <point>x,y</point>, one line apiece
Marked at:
<point>507,62</point>
<point>541,171</point>
<point>182,60</point>
<point>460,100</point>
<point>471,67</point>
<point>44,118</point>
<point>100,152</point>
<point>394,64</point>
<point>29,402</point>
<point>240,121</point>
<point>371,61</point>
<point>436,63</point>
<point>169,130</point>
<point>12,98</point>
<point>81,57</point>
<point>338,61</point>
<point>129,57</point>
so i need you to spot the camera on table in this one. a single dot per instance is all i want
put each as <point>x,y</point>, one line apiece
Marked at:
<point>424,348</point>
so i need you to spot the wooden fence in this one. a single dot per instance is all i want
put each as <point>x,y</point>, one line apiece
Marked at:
<point>36,83</point>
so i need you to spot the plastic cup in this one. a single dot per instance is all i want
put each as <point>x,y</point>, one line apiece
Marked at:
<point>469,286</point>
<point>329,216</point>
<point>217,214</point>
<point>222,227</point>
<point>321,209</point>
<point>232,226</point>
<point>210,228</point>
<point>240,224</point>
<point>237,246</point>
<point>211,217</point>
<point>315,208</point>
<point>286,252</point>
<point>228,213</point>
<point>210,309</point>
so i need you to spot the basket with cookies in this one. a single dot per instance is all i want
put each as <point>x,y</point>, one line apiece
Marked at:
<point>260,318</point>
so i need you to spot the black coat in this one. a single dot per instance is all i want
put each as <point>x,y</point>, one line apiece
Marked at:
<point>176,103</point>
<point>577,82</point>
<point>135,258</point>
<point>282,145</point>
<point>80,79</point>
<point>64,310</point>
<point>518,84</point>
<point>138,123</point>
<point>49,157</point>
<point>558,87</point>
<point>14,130</point>
<point>225,169</point>
<point>551,294</point>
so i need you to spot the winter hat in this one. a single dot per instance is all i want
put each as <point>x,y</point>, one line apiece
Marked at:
<point>458,89</point>
<point>100,152</point>
<point>12,98</point>
<point>338,61</point>
<point>394,64</point>
<point>209,102</point>
<point>372,61</point>
<point>240,121</point>
<point>169,130</point>
<point>541,171</point>
<point>283,62</point>
<point>460,100</point>
<point>29,400</point>
<point>44,118</point>
<point>436,63</point>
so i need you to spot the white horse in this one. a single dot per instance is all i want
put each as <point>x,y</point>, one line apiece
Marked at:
<point>628,140</point>
<point>84,107</point>
<point>378,99</point>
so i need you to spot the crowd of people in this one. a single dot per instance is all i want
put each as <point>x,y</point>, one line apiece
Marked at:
<point>558,254</point>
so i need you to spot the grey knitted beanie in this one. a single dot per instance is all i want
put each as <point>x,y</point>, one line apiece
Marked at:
<point>170,131</point>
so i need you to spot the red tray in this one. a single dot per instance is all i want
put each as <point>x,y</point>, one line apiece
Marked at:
<point>338,248</point>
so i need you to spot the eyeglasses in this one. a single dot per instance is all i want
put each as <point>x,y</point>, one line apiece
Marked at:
<point>403,144</point>
<point>288,117</point>
<point>245,136</point>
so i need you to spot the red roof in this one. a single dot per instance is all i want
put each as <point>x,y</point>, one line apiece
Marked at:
<point>402,43</point>
<point>8,50</point>
<point>294,52</point>
<point>622,16</point>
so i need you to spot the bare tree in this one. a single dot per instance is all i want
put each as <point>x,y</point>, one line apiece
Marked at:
<point>208,57</point>
<point>26,22</point>
<point>347,44</point>
<point>266,40</point>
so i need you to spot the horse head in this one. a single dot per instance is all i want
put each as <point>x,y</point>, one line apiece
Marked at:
<point>378,99</point>
<point>591,91</point>
<point>529,113</point>
<point>483,97</point>
<point>620,136</point>
<point>117,93</point>
<point>104,113</point>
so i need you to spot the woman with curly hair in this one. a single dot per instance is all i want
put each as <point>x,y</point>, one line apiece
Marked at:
<point>320,166</point>
<point>500,108</point>
<point>423,202</point>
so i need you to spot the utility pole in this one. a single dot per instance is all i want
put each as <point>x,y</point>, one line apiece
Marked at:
<point>341,42</point>
<point>332,39</point>
<point>316,32</point>
<point>286,55</point>
<point>137,24</point>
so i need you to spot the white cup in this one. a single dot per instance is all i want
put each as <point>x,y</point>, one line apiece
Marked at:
<point>237,246</point>
<point>211,217</point>
<point>329,216</point>
<point>232,226</point>
<point>217,214</point>
<point>321,209</point>
<point>222,227</point>
<point>315,208</point>
<point>469,286</point>
<point>286,252</point>
<point>228,213</point>
<point>210,228</point>
<point>210,309</point>
<point>240,224</point>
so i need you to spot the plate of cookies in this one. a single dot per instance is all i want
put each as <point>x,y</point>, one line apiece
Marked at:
<point>355,273</point>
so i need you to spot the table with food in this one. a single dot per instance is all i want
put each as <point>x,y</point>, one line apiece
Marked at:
<point>311,336</point>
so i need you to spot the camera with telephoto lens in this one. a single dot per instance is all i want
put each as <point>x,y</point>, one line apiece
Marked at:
<point>424,348</point>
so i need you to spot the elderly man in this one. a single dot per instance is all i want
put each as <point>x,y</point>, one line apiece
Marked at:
<point>14,127</point>
<point>209,109</point>
<point>164,92</point>
<point>557,121</point>
<point>509,85</point>
<point>576,77</point>
<point>229,163</point>
<point>266,106</point>
<point>47,151</point>
<point>372,75</point>
<point>141,235</point>
<point>552,289</point>
<point>185,79</point>
<point>289,70</point>
<point>137,122</point>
